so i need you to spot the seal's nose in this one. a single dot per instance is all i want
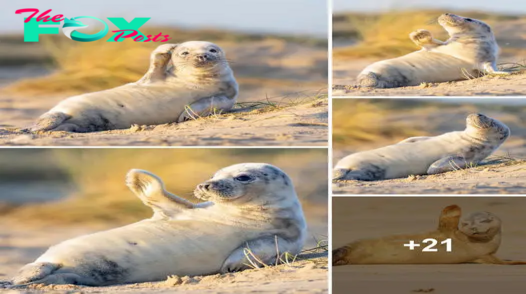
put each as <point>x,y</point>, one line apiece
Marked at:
<point>204,186</point>
<point>447,14</point>
<point>202,57</point>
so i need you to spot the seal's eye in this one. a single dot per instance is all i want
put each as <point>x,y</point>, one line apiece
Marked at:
<point>213,50</point>
<point>469,19</point>
<point>185,53</point>
<point>243,178</point>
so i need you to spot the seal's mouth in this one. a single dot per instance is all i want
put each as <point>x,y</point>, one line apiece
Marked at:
<point>214,190</point>
<point>479,121</point>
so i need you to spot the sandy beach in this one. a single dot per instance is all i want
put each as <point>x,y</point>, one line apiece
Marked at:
<point>305,124</point>
<point>361,218</point>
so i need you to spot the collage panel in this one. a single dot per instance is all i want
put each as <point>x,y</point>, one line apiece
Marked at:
<point>428,244</point>
<point>163,220</point>
<point>136,73</point>
<point>429,146</point>
<point>428,48</point>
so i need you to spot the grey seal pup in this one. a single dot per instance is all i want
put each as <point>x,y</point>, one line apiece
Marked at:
<point>470,51</point>
<point>184,81</point>
<point>250,207</point>
<point>426,155</point>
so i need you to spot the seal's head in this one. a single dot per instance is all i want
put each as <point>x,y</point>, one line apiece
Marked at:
<point>481,125</point>
<point>254,183</point>
<point>482,226</point>
<point>455,24</point>
<point>198,54</point>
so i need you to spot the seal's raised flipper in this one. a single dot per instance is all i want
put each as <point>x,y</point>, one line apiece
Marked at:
<point>205,107</point>
<point>449,218</point>
<point>414,139</point>
<point>150,189</point>
<point>491,69</point>
<point>51,121</point>
<point>492,259</point>
<point>424,39</point>
<point>445,164</point>
<point>159,60</point>
<point>259,253</point>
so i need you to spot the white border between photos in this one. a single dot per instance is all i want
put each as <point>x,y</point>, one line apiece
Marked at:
<point>329,145</point>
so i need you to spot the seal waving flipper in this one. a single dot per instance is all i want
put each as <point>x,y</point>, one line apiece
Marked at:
<point>159,60</point>
<point>445,164</point>
<point>150,189</point>
<point>449,218</point>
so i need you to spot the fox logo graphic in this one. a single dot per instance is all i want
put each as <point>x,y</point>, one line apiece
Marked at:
<point>127,30</point>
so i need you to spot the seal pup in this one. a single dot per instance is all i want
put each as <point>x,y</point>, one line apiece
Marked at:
<point>426,155</point>
<point>184,80</point>
<point>471,50</point>
<point>249,206</point>
<point>474,240</point>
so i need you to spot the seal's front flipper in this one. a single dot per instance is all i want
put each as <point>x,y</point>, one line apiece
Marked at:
<point>205,107</point>
<point>424,39</point>
<point>260,253</point>
<point>33,272</point>
<point>414,139</point>
<point>449,163</point>
<point>490,68</point>
<point>159,60</point>
<point>492,259</point>
<point>150,189</point>
<point>51,121</point>
<point>449,218</point>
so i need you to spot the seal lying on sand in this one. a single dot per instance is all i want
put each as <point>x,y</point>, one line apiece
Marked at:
<point>252,208</point>
<point>470,51</point>
<point>193,75</point>
<point>426,155</point>
<point>474,240</point>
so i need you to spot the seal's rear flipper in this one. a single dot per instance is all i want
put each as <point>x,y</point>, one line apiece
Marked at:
<point>369,80</point>
<point>34,272</point>
<point>49,121</point>
<point>339,256</point>
<point>339,174</point>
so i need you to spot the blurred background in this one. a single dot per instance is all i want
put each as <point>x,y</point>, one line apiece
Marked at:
<point>368,31</point>
<point>277,52</point>
<point>68,186</point>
